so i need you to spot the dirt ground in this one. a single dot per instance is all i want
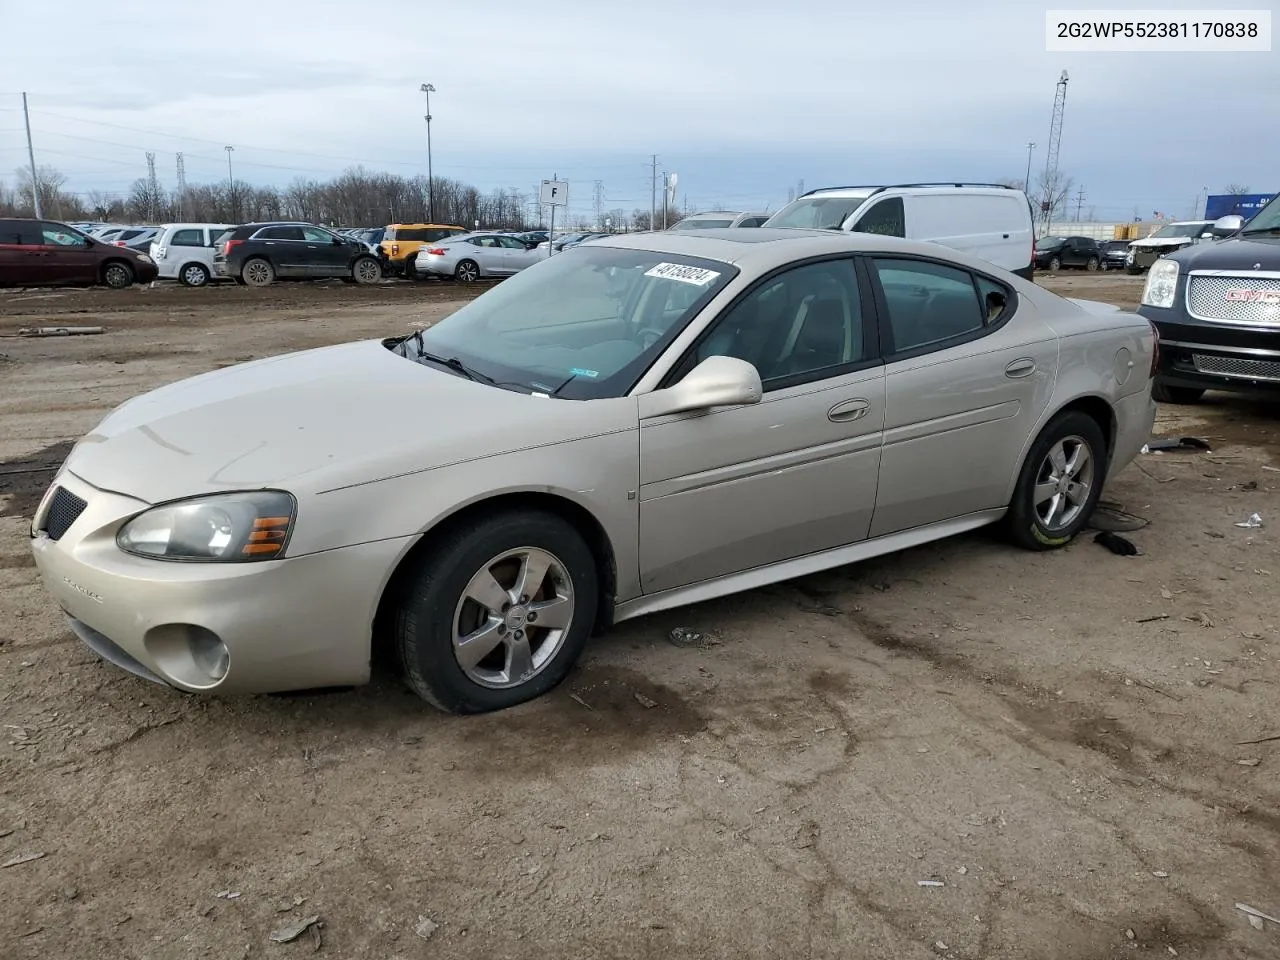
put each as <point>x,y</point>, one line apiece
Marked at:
<point>958,751</point>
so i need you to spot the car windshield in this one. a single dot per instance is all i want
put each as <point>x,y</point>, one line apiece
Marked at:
<point>817,213</point>
<point>702,224</point>
<point>1180,230</point>
<point>1050,243</point>
<point>1266,220</point>
<point>582,325</point>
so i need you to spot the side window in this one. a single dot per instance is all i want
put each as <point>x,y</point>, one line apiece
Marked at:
<point>928,303</point>
<point>804,321</point>
<point>995,298</point>
<point>187,238</point>
<point>316,235</point>
<point>487,242</point>
<point>512,243</point>
<point>885,218</point>
<point>22,233</point>
<point>56,235</point>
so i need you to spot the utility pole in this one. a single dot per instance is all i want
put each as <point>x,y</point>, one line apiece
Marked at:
<point>231,184</point>
<point>1079,203</point>
<point>428,89</point>
<point>31,155</point>
<point>666,196</point>
<point>800,188</point>
<point>1026,184</point>
<point>182,188</point>
<point>653,193</point>
<point>153,187</point>
<point>599,204</point>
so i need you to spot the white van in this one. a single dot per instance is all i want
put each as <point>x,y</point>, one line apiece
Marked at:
<point>987,220</point>
<point>184,251</point>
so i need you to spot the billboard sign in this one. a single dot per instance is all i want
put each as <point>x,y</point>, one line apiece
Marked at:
<point>1225,204</point>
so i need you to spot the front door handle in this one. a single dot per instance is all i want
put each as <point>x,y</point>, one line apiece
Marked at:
<point>848,411</point>
<point>1020,368</point>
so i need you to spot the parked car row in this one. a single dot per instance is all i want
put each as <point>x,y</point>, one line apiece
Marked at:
<point>1133,256</point>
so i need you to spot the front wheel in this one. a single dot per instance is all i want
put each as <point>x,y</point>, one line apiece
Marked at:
<point>1060,483</point>
<point>498,613</point>
<point>1163,393</point>
<point>117,275</point>
<point>468,271</point>
<point>366,270</point>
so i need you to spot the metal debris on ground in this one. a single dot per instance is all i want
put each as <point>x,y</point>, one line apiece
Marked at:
<point>645,701</point>
<point>684,637</point>
<point>930,883</point>
<point>1239,743</point>
<point>425,927</point>
<point>1159,874</point>
<point>21,859</point>
<point>60,331</point>
<point>228,895</point>
<point>292,931</point>
<point>1181,443</point>
<point>1111,516</point>
<point>1254,521</point>
<point>1255,912</point>
<point>1120,546</point>
<point>1249,762</point>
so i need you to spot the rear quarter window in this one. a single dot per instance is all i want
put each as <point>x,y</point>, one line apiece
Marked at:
<point>187,238</point>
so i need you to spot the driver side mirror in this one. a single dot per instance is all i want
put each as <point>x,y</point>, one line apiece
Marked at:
<point>1231,223</point>
<point>715,382</point>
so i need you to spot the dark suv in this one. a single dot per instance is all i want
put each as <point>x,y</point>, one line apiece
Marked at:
<point>1054,253</point>
<point>37,253</point>
<point>1216,307</point>
<point>259,253</point>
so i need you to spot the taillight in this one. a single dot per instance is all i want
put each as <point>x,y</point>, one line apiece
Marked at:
<point>1155,349</point>
<point>230,245</point>
<point>119,243</point>
<point>395,248</point>
<point>436,252</point>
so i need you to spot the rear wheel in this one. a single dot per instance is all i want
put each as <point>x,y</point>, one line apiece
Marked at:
<point>1092,265</point>
<point>1163,393</point>
<point>1060,483</point>
<point>117,275</point>
<point>468,271</point>
<point>411,267</point>
<point>498,613</point>
<point>194,275</point>
<point>1055,264</point>
<point>258,272</point>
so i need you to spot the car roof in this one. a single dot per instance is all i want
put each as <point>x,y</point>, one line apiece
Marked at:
<point>766,247</point>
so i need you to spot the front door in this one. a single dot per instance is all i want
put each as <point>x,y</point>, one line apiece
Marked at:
<point>964,388</point>
<point>69,256</point>
<point>738,487</point>
<point>516,254</point>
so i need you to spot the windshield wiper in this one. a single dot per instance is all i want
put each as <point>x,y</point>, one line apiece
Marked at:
<point>454,364</point>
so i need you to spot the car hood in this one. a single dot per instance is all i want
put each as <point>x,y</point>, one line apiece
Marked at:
<point>1238,253</point>
<point>318,420</point>
<point>1162,242</point>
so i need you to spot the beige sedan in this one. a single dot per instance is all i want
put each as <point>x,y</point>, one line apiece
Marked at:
<point>638,423</point>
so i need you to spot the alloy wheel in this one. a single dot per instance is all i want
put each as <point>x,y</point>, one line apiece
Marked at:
<point>513,617</point>
<point>1063,483</point>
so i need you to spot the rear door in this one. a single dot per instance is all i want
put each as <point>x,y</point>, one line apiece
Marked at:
<point>967,377</point>
<point>285,248</point>
<point>23,260</point>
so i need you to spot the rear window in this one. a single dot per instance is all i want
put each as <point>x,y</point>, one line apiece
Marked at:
<point>219,238</point>
<point>817,213</point>
<point>422,234</point>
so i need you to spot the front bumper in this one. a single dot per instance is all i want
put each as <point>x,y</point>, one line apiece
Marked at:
<point>292,624</point>
<point>1203,355</point>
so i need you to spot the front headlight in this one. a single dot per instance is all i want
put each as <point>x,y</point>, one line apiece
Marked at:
<point>234,527</point>
<point>144,258</point>
<point>1162,284</point>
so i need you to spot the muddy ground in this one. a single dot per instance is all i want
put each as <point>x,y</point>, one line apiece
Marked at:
<point>1050,741</point>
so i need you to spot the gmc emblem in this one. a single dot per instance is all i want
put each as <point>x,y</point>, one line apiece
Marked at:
<point>1245,295</point>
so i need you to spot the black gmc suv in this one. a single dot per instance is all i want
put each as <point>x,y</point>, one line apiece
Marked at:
<point>258,253</point>
<point>1216,307</point>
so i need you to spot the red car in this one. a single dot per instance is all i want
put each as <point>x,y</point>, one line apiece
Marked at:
<point>38,253</point>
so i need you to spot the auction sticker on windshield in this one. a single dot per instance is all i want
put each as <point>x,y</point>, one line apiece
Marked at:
<point>698,276</point>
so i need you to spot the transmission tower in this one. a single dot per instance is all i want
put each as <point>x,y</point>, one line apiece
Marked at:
<point>1051,155</point>
<point>598,197</point>
<point>182,189</point>
<point>153,187</point>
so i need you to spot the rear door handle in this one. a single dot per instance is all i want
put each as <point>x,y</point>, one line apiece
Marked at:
<point>1006,236</point>
<point>848,411</point>
<point>1020,368</point>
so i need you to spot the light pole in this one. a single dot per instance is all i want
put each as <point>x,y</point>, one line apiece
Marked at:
<point>231,184</point>
<point>1026,184</point>
<point>429,89</point>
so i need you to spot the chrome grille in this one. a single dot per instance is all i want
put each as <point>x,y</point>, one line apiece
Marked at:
<point>1207,299</point>
<point>64,509</point>
<point>1236,367</point>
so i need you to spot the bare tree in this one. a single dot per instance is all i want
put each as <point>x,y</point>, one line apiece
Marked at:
<point>1052,191</point>
<point>1236,189</point>
<point>54,201</point>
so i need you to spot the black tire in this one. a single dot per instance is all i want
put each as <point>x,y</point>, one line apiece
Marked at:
<point>258,272</point>
<point>366,270</point>
<point>467,271</point>
<point>193,275</point>
<point>1133,271</point>
<point>117,274</point>
<point>410,273</point>
<point>1023,523</point>
<point>1092,264</point>
<point>1163,393</point>
<point>1055,264</point>
<point>433,599</point>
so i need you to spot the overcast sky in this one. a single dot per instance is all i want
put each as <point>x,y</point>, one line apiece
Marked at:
<point>741,98</point>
